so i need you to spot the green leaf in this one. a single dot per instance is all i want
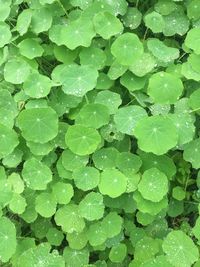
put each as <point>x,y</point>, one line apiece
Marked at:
<point>63,192</point>
<point>112,224</point>
<point>144,65</point>
<point>37,85</point>
<point>13,159</point>
<point>118,253</point>
<point>9,140</point>
<point>39,149</point>
<point>159,261</point>
<point>6,193</point>
<point>105,158</point>
<point>154,185</point>
<point>72,161</point>
<point>193,10</point>
<point>91,206</point>
<point>74,258</point>
<point>40,256</point>
<point>165,7</point>
<point>16,182</point>
<point>156,134</point>
<point>54,236</point>
<point>38,125</point>
<point>147,206</point>
<point>5,10</point>
<point>77,240</point>
<point>93,115</point>
<point>45,204</point>
<point>16,71</point>
<point>7,239</point>
<point>178,193</point>
<point>5,34</point>
<point>127,161</point>
<point>126,118</point>
<point>146,248</point>
<point>82,140</point>
<point>154,21</point>
<point>132,82</point>
<point>107,25</point>
<point>192,152</point>
<point>79,32</point>
<point>112,183</point>
<point>30,48</point>
<point>160,88</point>
<point>93,56</point>
<point>23,21</point>
<point>96,234</point>
<point>41,20</point>
<point>127,49</point>
<point>17,204</point>
<point>36,174</point>
<point>176,22</point>
<point>180,249</point>
<point>194,100</point>
<point>185,126</point>
<point>110,99</point>
<point>80,3</point>
<point>69,219</point>
<point>132,18</point>
<point>164,163</point>
<point>161,51</point>
<point>192,40</point>
<point>78,80</point>
<point>86,178</point>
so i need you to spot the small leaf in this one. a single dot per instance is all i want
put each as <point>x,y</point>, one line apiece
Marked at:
<point>180,248</point>
<point>36,174</point>
<point>112,183</point>
<point>156,134</point>
<point>7,239</point>
<point>154,185</point>
<point>38,125</point>
<point>107,25</point>
<point>127,49</point>
<point>91,206</point>
<point>82,140</point>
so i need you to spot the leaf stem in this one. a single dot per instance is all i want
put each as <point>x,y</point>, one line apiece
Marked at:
<point>186,183</point>
<point>63,8</point>
<point>181,56</point>
<point>86,98</point>
<point>194,110</point>
<point>137,3</point>
<point>145,34</point>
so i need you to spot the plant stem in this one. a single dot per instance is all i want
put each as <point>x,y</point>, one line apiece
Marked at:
<point>63,8</point>
<point>145,34</point>
<point>194,110</point>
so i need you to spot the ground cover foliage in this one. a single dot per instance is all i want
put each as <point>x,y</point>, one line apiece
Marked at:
<point>99,133</point>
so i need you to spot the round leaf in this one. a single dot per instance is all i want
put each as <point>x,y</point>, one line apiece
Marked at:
<point>180,249</point>
<point>107,25</point>
<point>165,88</point>
<point>92,207</point>
<point>112,183</point>
<point>156,134</point>
<point>127,49</point>
<point>82,140</point>
<point>38,125</point>
<point>36,174</point>
<point>126,118</point>
<point>154,185</point>
<point>7,239</point>
<point>86,178</point>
